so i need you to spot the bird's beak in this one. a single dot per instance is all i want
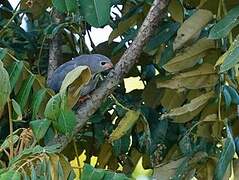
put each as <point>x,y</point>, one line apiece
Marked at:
<point>108,65</point>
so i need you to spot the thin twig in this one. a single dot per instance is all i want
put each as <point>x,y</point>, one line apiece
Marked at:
<point>10,128</point>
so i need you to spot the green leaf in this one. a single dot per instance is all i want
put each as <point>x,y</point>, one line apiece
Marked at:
<point>3,53</point>
<point>10,175</point>
<point>91,173</point>
<point>96,12</point>
<point>5,144</point>
<point>60,5</point>
<point>234,94</point>
<point>15,72</point>
<point>17,110</point>
<point>166,32</point>
<point>36,101</point>
<point>230,58</point>
<point>40,127</point>
<point>66,122</point>
<point>71,5</point>
<point>227,97</point>
<point>226,156</point>
<point>5,89</point>
<point>24,91</point>
<point>225,25</point>
<point>52,109</point>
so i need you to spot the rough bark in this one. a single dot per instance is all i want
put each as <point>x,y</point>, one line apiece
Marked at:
<point>55,54</point>
<point>126,62</point>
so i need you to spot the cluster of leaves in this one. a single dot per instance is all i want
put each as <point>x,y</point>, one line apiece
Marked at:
<point>183,124</point>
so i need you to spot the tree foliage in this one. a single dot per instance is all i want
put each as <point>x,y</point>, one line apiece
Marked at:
<point>183,123</point>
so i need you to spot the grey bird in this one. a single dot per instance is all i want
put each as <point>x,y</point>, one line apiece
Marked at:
<point>97,63</point>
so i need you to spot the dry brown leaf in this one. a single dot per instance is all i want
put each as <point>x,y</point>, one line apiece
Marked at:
<point>189,111</point>
<point>203,77</point>
<point>104,155</point>
<point>191,28</point>
<point>190,56</point>
<point>167,171</point>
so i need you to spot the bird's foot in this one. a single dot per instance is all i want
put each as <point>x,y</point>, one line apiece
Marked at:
<point>83,99</point>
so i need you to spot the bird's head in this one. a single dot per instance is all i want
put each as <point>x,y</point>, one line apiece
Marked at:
<point>97,63</point>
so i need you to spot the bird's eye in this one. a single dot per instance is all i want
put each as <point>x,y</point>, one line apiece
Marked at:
<point>103,63</point>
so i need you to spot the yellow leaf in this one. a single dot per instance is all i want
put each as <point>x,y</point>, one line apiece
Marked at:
<point>73,83</point>
<point>189,111</point>
<point>202,77</point>
<point>190,56</point>
<point>191,28</point>
<point>104,155</point>
<point>125,124</point>
<point>176,10</point>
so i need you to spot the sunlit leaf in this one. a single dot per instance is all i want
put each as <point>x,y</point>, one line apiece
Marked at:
<point>73,83</point>
<point>222,28</point>
<point>125,125</point>
<point>96,12</point>
<point>191,28</point>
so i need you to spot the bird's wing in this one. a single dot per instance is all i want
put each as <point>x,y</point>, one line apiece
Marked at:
<point>59,75</point>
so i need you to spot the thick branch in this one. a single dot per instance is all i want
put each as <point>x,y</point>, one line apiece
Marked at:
<point>55,54</point>
<point>127,61</point>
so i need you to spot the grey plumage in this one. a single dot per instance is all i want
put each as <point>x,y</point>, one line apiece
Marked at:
<point>97,64</point>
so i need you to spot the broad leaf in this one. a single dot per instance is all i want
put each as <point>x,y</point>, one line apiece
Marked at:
<point>60,5</point>
<point>15,71</point>
<point>191,28</point>
<point>125,125</point>
<point>96,12</point>
<point>25,91</point>
<point>188,111</point>
<point>73,83</point>
<point>5,89</point>
<point>190,56</point>
<point>226,156</point>
<point>66,122</point>
<point>230,58</point>
<point>40,127</point>
<point>36,101</point>
<point>225,25</point>
<point>10,175</point>
<point>17,110</point>
<point>52,109</point>
<point>202,77</point>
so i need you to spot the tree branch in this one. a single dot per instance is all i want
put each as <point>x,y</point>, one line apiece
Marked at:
<point>55,54</point>
<point>127,61</point>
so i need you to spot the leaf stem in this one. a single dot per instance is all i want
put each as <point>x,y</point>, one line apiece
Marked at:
<point>10,128</point>
<point>77,156</point>
<point>10,20</point>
